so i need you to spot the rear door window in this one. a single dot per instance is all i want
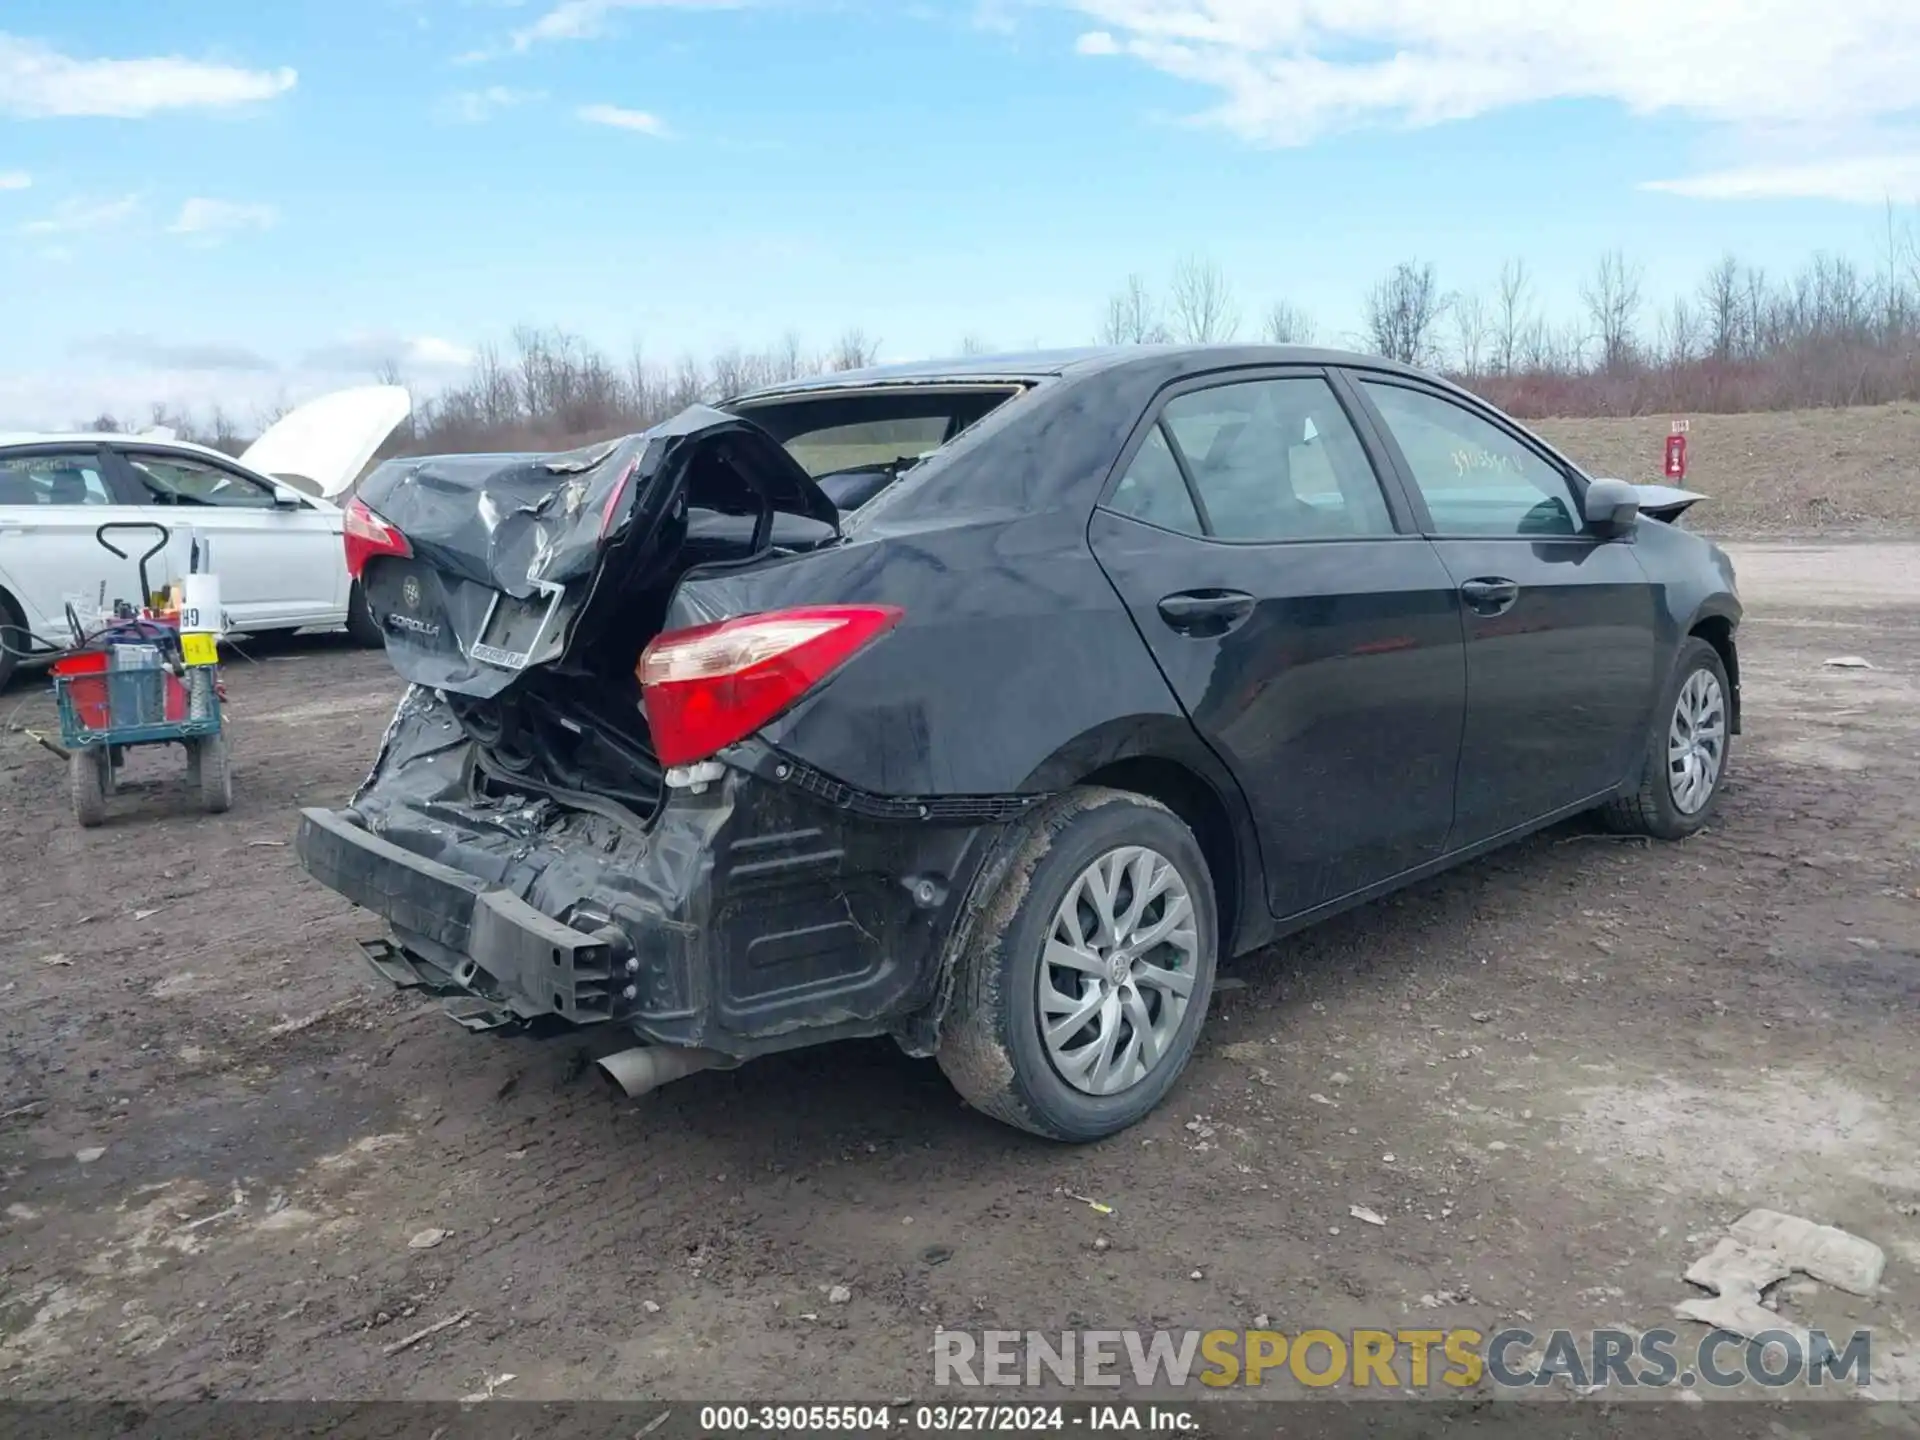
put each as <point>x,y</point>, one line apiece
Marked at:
<point>58,479</point>
<point>1270,460</point>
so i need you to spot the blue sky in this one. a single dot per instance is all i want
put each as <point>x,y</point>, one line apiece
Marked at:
<point>225,201</point>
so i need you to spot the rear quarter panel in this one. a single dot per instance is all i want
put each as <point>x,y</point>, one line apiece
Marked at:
<point>1013,651</point>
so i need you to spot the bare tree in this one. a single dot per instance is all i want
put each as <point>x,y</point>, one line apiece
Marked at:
<point>853,350</point>
<point>1470,328</point>
<point>1612,298</point>
<point>1511,316</point>
<point>1401,312</point>
<point>1720,308</point>
<point>1679,338</point>
<point>790,360</point>
<point>973,344</point>
<point>1203,309</point>
<point>1132,316</point>
<point>104,423</point>
<point>1289,324</point>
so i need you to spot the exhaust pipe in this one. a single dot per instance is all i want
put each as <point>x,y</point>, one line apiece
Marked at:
<point>647,1067</point>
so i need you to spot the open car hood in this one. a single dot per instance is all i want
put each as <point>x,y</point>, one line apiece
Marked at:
<point>509,559</point>
<point>324,444</point>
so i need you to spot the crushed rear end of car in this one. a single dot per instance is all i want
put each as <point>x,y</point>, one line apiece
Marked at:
<point>555,845</point>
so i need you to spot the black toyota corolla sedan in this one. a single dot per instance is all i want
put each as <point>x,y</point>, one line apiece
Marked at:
<point>988,704</point>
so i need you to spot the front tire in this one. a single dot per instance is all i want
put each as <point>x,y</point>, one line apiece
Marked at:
<point>1080,994</point>
<point>362,627</point>
<point>1688,751</point>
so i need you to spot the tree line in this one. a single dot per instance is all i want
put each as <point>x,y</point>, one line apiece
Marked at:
<point>1831,333</point>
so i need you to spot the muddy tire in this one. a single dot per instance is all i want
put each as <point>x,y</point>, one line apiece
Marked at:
<point>362,627</point>
<point>1689,747</point>
<point>11,634</point>
<point>213,771</point>
<point>87,784</point>
<point>1076,1003</point>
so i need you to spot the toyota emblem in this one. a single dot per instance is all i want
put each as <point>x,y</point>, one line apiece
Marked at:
<point>410,592</point>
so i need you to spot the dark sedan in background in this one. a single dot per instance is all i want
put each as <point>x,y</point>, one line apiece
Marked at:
<point>988,704</point>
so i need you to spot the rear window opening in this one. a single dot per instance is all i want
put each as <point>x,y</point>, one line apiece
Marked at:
<point>857,443</point>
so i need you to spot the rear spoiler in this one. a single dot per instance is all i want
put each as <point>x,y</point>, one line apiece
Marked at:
<point>1664,502</point>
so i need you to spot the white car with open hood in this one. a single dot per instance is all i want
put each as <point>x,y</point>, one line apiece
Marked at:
<point>265,523</point>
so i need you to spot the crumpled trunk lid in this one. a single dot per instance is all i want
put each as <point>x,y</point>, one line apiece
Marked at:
<point>511,564</point>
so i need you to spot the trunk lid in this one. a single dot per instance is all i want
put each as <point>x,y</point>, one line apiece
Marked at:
<point>327,442</point>
<point>516,566</point>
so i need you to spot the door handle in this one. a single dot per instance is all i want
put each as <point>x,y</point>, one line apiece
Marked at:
<point>1206,613</point>
<point>1493,596</point>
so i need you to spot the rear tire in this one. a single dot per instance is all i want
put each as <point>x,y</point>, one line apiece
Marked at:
<point>87,783</point>
<point>215,774</point>
<point>1691,735</point>
<point>1087,853</point>
<point>362,627</point>
<point>13,635</point>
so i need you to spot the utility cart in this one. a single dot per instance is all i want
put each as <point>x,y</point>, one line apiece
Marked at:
<point>140,677</point>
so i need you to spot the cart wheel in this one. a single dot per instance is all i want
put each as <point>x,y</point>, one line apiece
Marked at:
<point>86,777</point>
<point>216,775</point>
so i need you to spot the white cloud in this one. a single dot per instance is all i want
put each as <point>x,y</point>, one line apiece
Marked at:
<point>15,180</point>
<point>368,352</point>
<point>37,81</point>
<point>584,19</point>
<point>209,218</point>
<point>621,119</point>
<point>1289,71</point>
<point>72,217</point>
<point>148,353</point>
<point>1863,180</point>
<point>1097,42</point>
<point>472,107</point>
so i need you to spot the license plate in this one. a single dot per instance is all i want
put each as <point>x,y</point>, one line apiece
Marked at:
<point>199,649</point>
<point>514,629</point>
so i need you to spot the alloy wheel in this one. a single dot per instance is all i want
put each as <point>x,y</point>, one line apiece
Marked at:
<point>1696,742</point>
<point>1118,972</point>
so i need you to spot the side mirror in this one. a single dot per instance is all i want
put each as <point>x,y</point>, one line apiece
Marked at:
<point>285,498</point>
<point>1612,508</point>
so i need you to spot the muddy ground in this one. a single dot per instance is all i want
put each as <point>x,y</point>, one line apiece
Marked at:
<point>1555,1074</point>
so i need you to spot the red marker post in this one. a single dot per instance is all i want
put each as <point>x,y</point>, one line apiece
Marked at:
<point>1676,467</point>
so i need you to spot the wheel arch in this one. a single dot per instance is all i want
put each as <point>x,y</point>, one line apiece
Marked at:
<point>1162,758</point>
<point>1716,625</point>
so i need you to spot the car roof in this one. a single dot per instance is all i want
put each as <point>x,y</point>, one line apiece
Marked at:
<point>119,439</point>
<point>1033,366</point>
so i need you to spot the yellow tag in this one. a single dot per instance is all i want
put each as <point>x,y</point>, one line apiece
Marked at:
<point>199,649</point>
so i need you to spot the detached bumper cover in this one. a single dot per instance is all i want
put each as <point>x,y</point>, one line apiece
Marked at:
<point>541,966</point>
<point>754,916</point>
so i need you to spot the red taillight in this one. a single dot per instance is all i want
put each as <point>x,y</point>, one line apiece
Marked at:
<point>706,687</point>
<point>367,536</point>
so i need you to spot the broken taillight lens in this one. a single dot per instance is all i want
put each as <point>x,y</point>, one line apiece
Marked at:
<point>708,686</point>
<point>368,536</point>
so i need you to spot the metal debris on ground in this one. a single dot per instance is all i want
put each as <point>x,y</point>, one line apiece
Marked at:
<point>1371,1217</point>
<point>89,1155</point>
<point>1850,662</point>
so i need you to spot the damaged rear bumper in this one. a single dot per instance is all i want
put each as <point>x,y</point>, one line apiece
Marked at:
<point>762,913</point>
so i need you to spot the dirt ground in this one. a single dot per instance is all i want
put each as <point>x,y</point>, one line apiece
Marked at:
<point>1555,1073</point>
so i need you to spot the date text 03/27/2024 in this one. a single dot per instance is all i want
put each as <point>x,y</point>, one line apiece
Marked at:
<point>942,1419</point>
